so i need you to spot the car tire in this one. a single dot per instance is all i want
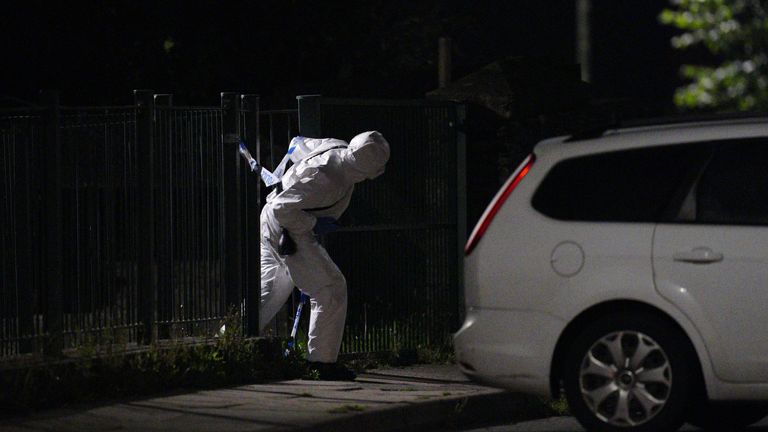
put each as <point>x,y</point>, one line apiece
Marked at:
<point>726,417</point>
<point>630,372</point>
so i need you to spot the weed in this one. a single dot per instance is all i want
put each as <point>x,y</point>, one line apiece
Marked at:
<point>311,375</point>
<point>346,409</point>
<point>559,406</point>
<point>439,354</point>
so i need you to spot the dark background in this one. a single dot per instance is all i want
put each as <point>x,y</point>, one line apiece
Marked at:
<point>98,52</point>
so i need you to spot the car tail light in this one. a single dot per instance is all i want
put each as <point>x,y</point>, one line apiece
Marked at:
<point>497,202</point>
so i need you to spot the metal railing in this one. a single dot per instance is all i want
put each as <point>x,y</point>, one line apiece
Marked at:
<point>121,225</point>
<point>97,187</point>
<point>21,286</point>
<point>125,226</point>
<point>189,220</point>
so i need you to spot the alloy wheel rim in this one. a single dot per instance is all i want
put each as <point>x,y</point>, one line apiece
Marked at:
<point>625,378</point>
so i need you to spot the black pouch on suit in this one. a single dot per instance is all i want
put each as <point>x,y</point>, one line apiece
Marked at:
<point>286,245</point>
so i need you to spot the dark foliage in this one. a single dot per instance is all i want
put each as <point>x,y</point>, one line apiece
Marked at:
<point>230,360</point>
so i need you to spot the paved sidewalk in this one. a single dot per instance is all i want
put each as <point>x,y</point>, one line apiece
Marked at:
<point>393,399</point>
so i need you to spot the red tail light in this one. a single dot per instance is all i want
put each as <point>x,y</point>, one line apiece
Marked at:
<point>497,202</point>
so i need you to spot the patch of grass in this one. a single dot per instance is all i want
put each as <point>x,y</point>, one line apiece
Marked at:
<point>347,409</point>
<point>441,354</point>
<point>438,354</point>
<point>362,362</point>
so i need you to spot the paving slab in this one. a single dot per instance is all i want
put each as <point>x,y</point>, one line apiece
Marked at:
<point>391,399</point>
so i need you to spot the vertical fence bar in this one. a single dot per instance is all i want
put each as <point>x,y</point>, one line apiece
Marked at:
<point>251,104</point>
<point>144,100</point>
<point>162,216</point>
<point>53,226</point>
<point>461,206</point>
<point>23,286</point>
<point>230,104</point>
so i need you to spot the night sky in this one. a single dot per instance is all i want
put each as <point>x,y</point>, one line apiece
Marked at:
<point>98,52</point>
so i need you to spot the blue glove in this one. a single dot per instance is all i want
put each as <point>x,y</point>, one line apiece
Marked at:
<point>325,225</point>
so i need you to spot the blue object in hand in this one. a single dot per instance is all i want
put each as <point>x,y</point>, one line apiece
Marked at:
<point>255,167</point>
<point>325,225</point>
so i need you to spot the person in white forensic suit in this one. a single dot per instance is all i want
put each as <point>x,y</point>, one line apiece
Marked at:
<point>313,194</point>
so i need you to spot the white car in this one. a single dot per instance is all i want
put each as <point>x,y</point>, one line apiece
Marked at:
<point>629,269</point>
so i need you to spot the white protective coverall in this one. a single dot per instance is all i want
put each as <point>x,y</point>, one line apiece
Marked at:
<point>320,184</point>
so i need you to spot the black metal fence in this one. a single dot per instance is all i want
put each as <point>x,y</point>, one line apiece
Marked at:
<point>21,268</point>
<point>113,223</point>
<point>97,177</point>
<point>189,221</point>
<point>133,224</point>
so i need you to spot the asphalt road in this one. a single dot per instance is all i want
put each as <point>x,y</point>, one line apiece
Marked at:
<point>569,424</point>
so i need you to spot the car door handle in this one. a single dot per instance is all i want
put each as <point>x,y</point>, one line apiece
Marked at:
<point>699,255</point>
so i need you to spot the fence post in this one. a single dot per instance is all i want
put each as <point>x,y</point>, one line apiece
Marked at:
<point>252,127</point>
<point>52,215</point>
<point>309,116</point>
<point>144,100</point>
<point>24,219</point>
<point>230,104</point>
<point>461,208</point>
<point>163,100</point>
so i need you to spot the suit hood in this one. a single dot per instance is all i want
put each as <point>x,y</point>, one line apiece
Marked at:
<point>367,155</point>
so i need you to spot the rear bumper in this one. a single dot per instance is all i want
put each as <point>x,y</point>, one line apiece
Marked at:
<point>511,349</point>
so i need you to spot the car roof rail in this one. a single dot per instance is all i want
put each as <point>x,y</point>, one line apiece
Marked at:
<point>592,132</point>
<point>599,130</point>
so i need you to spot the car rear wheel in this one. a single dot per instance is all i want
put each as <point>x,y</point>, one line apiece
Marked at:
<point>629,372</point>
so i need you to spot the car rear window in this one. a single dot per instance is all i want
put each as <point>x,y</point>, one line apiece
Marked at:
<point>639,185</point>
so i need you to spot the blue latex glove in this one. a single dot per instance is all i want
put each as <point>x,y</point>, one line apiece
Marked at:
<point>325,225</point>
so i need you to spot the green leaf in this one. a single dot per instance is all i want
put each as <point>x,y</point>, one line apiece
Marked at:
<point>736,32</point>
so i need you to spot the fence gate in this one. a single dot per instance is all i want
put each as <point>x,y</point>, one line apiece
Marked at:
<point>401,247</point>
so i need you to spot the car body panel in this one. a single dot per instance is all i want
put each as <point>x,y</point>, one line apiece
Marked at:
<point>507,348</point>
<point>728,299</point>
<point>519,302</point>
